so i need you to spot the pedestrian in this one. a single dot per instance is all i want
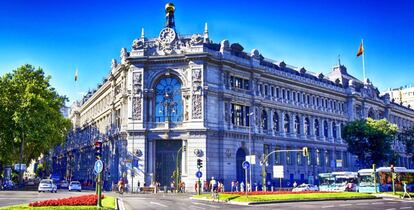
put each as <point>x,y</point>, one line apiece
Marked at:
<point>237,186</point>
<point>242,187</point>
<point>213,184</point>
<point>233,186</point>
<point>295,184</point>
<point>139,186</point>
<point>196,186</point>
<point>172,186</point>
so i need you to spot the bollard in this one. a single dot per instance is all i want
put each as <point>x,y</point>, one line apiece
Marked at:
<point>272,188</point>
<point>165,189</point>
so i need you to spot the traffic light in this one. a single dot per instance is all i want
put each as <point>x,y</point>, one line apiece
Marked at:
<point>305,151</point>
<point>392,168</point>
<point>184,148</point>
<point>98,149</point>
<point>199,163</point>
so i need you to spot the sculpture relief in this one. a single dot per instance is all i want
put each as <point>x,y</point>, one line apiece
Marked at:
<point>196,96</point>
<point>136,95</point>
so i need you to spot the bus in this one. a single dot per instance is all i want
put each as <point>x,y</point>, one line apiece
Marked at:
<point>384,179</point>
<point>338,181</point>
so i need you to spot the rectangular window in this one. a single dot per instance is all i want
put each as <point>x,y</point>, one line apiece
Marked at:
<point>318,157</point>
<point>247,112</point>
<point>246,84</point>
<point>261,89</point>
<point>231,81</point>
<point>238,82</point>
<point>265,90</point>
<point>272,91</point>
<point>288,94</point>
<point>299,158</point>
<point>294,96</point>
<point>327,161</point>
<point>277,93</point>
<point>239,111</point>
<point>265,149</point>
<point>283,94</point>
<point>277,156</point>
<point>288,157</point>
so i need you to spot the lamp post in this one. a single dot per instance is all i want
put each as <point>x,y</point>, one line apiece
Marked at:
<point>250,148</point>
<point>133,154</point>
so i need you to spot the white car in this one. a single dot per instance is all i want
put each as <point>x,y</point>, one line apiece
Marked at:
<point>305,187</point>
<point>75,186</point>
<point>64,184</point>
<point>47,185</point>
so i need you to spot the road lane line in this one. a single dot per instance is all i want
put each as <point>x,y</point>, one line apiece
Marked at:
<point>198,207</point>
<point>406,207</point>
<point>361,204</point>
<point>345,205</point>
<point>206,205</point>
<point>392,202</point>
<point>378,203</point>
<point>159,204</point>
<point>324,207</point>
<point>390,209</point>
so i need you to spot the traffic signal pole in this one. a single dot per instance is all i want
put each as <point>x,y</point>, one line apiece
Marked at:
<point>99,189</point>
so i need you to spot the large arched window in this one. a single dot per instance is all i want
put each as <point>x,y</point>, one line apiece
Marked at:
<point>307,126</point>
<point>334,130</point>
<point>275,121</point>
<point>316,128</point>
<point>264,120</point>
<point>287,125</point>
<point>297,124</point>
<point>325,129</point>
<point>168,100</point>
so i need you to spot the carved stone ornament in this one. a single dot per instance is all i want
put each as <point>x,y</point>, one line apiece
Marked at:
<point>124,55</point>
<point>137,95</point>
<point>196,39</point>
<point>136,108</point>
<point>137,44</point>
<point>197,109</point>
<point>114,63</point>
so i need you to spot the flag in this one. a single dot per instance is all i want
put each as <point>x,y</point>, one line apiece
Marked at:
<point>360,49</point>
<point>76,75</point>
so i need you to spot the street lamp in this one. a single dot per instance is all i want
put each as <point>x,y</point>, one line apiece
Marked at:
<point>250,147</point>
<point>133,154</point>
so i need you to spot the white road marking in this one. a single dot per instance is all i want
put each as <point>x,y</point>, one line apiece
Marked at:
<point>378,203</point>
<point>390,209</point>
<point>361,204</point>
<point>197,207</point>
<point>407,207</point>
<point>206,205</point>
<point>327,207</point>
<point>345,204</point>
<point>159,204</point>
<point>392,202</point>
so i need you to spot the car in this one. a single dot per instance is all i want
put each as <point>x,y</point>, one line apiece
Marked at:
<point>47,185</point>
<point>305,187</point>
<point>8,185</point>
<point>64,184</point>
<point>75,186</point>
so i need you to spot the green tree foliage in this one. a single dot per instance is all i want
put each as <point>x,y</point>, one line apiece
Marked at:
<point>29,111</point>
<point>407,138</point>
<point>370,140</point>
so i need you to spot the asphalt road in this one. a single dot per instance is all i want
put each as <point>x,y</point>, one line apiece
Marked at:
<point>178,202</point>
<point>8,198</point>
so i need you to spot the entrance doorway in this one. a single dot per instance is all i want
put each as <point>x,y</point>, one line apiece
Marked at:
<point>166,160</point>
<point>240,157</point>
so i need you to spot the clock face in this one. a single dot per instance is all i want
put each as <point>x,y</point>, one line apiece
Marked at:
<point>167,35</point>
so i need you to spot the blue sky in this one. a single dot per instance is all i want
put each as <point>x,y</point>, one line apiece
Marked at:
<point>60,36</point>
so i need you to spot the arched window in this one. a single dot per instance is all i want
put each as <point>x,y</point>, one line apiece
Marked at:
<point>316,127</point>
<point>264,120</point>
<point>307,126</point>
<point>325,129</point>
<point>371,114</point>
<point>168,100</point>
<point>275,121</point>
<point>287,125</point>
<point>297,124</point>
<point>334,130</point>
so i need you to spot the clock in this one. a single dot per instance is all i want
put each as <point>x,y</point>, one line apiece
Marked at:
<point>167,35</point>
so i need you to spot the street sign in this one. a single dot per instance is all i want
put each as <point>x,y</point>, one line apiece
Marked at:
<point>98,166</point>
<point>251,159</point>
<point>199,174</point>
<point>21,166</point>
<point>338,163</point>
<point>246,164</point>
<point>278,171</point>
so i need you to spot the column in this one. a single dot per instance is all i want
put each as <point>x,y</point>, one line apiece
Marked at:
<point>321,129</point>
<point>302,126</point>
<point>292,124</point>
<point>270,121</point>
<point>282,123</point>
<point>330,132</point>
<point>312,127</point>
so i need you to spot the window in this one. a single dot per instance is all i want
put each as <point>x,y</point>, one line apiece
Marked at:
<point>297,125</point>
<point>238,82</point>
<point>277,155</point>
<point>307,126</point>
<point>318,157</point>
<point>265,90</point>
<point>261,89</point>
<point>288,95</point>
<point>334,130</point>
<point>289,157</point>
<point>272,91</point>
<point>275,121</point>
<point>239,115</point>
<point>265,149</point>
<point>286,125</point>
<point>308,99</point>
<point>327,158</point>
<point>294,96</point>
<point>277,93</point>
<point>264,120</point>
<point>283,94</point>
<point>168,100</point>
<point>299,158</point>
<point>246,84</point>
<point>316,127</point>
<point>325,129</point>
<point>310,157</point>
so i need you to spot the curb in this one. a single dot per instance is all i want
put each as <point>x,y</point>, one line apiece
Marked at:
<point>119,204</point>
<point>281,201</point>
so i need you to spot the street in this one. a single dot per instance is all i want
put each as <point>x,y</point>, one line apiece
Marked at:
<point>8,198</point>
<point>182,201</point>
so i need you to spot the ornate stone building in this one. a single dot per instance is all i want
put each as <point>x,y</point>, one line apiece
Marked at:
<point>404,96</point>
<point>222,103</point>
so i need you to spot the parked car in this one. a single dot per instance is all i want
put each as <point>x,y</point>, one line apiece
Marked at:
<point>305,187</point>
<point>64,184</point>
<point>75,186</point>
<point>8,185</point>
<point>47,185</point>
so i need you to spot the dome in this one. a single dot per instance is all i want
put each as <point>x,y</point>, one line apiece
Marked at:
<point>169,7</point>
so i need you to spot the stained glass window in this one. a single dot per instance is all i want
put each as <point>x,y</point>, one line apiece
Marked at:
<point>168,100</point>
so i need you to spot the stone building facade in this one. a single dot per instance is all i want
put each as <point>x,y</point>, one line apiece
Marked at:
<point>404,95</point>
<point>219,103</point>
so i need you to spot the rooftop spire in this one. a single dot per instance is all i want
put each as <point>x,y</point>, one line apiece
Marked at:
<point>205,32</point>
<point>142,33</point>
<point>169,15</point>
<point>339,60</point>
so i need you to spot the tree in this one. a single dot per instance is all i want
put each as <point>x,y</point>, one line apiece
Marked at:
<point>370,140</point>
<point>407,138</point>
<point>30,117</point>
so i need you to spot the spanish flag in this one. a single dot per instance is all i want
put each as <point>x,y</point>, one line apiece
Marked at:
<point>76,75</point>
<point>360,49</point>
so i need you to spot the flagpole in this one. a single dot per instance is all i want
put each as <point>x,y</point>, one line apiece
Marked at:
<point>363,61</point>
